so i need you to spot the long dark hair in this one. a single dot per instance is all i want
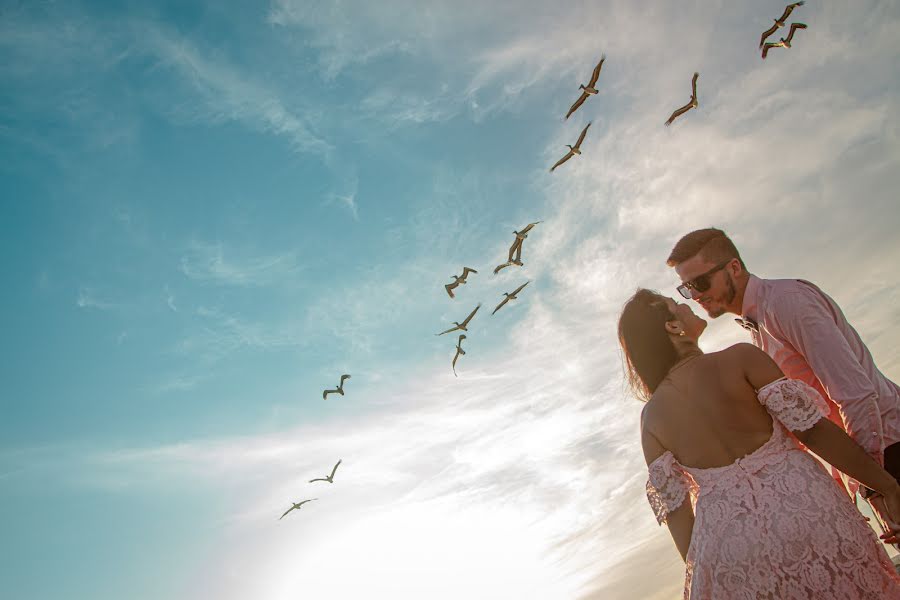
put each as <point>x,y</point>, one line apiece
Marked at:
<point>648,350</point>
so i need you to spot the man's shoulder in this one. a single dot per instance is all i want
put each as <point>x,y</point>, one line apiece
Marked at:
<point>785,294</point>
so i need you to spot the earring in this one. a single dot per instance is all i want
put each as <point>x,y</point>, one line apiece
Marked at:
<point>681,333</point>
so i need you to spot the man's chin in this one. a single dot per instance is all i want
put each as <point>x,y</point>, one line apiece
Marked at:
<point>715,312</point>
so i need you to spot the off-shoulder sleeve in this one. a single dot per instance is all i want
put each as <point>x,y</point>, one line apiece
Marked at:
<point>667,487</point>
<point>797,405</point>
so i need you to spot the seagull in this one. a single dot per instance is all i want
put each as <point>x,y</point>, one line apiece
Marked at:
<point>779,22</point>
<point>573,150</point>
<point>508,263</point>
<point>692,104</point>
<point>339,389</point>
<point>520,235</point>
<point>295,505</point>
<point>458,279</point>
<point>459,351</point>
<point>330,478</point>
<point>783,42</point>
<point>589,90</point>
<point>510,296</point>
<point>462,325</point>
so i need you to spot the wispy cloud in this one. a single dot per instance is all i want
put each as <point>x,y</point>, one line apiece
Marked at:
<point>87,298</point>
<point>207,262</point>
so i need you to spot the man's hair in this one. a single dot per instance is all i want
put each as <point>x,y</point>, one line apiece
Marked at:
<point>711,243</point>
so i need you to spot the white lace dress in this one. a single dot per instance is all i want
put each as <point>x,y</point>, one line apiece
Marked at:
<point>774,525</point>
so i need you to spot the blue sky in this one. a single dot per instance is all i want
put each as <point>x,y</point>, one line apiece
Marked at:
<point>211,211</point>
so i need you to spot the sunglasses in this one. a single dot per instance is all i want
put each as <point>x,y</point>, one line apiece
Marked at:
<point>700,283</point>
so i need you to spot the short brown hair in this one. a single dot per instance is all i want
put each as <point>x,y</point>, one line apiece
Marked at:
<point>712,243</point>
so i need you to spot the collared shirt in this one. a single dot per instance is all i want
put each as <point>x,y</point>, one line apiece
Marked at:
<point>806,334</point>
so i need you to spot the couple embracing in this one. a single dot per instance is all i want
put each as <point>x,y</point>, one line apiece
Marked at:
<point>725,434</point>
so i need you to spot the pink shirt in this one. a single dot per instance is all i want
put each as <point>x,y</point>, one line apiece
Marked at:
<point>806,333</point>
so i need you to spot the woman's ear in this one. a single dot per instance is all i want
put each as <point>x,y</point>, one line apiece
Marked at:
<point>674,327</point>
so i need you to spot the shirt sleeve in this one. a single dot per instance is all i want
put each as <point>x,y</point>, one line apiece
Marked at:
<point>806,321</point>
<point>667,487</point>
<point>797,405</point>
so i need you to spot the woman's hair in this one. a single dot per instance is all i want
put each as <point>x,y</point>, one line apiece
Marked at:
<point>649,352</point>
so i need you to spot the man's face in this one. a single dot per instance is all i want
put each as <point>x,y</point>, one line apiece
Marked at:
<point>720,297</point>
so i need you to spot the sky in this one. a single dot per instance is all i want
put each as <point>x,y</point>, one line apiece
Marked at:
<point>212,210</point>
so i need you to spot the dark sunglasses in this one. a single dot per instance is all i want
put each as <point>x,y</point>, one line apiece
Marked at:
<point>700,283</point>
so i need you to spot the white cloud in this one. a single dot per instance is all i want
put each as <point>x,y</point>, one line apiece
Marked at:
<point>87,298</point>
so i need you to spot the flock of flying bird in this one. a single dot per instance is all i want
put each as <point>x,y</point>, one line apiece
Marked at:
<point>515,250</point>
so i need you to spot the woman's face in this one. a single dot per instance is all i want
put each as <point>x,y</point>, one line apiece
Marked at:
<point>692,325</point>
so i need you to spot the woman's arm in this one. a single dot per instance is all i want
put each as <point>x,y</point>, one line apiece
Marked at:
<point>680,521</point>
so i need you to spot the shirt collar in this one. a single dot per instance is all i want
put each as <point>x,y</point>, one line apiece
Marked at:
<point>750,305</point>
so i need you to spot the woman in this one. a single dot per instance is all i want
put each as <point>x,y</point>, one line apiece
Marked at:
<point>764,519</point>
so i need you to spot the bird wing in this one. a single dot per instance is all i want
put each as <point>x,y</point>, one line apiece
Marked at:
<point>529,226</point>
<point>789,9</point>
<point>517,243</point>
<point>519,289</point>
<point>285,513</point>
<point>318,479</point>
<point>453,364</point>
<point>577,103</point>
<point>448,331</point>
<point>504,301</point>
<point>503,266</point>
<point>794,27</point>
<point>562,160</point>
<point>581,137</point>
<point>335,467</point>
<point>305,501</point>
<point>766,34</point>
<point>449,287</point>
<point>326,392</point>
<point>518,259</point>
<point>596,72</point>
<point>679,112</point>
<point>767,47</point>
<point>694,86</point>
<point>466,271</point>
<point>344,377</point>
<point>462,336</point>
<point>471,314</point>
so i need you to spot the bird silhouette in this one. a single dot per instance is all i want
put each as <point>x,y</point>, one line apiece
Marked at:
<point>330,478</point>
<point>509,263</point>
<point>510,296</point>
<point>459,351</point>
<point>573,150</point>
<point>462,325</point>
<point>516,247</point>
<point>783,42</point>
<point>692,104</point>
<point>458,279</point>
<point>589,89</point>
<point>338,390</point>
<point>295,505</point>
<point>779,22</point>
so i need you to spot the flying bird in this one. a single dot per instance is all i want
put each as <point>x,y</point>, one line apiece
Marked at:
<point>462,325</point>
<point>589,89</point>
<point>509,263</point>
<point>330,478</point>
<point>783,42</point>
<point>510,296</point>
<point>692,104</point>
<point>779,22</point>
<point>458,279</point>
<point>295,505</point>
<point>338,390</point>
<point>573,150</point>
<point>459,351</point>
<point>517,243</point>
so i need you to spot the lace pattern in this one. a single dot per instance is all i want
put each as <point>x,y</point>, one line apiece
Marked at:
<point>797,405</point>
<point>667,486</point>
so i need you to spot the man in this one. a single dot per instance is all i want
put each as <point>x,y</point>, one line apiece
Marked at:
<point>804,331</point>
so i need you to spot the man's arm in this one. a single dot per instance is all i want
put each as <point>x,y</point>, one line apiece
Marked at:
<point>805,320</point>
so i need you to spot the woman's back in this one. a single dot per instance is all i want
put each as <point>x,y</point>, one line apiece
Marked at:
<point>706,412</point>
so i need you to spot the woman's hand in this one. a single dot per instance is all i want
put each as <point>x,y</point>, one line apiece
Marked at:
<point>891,503</point>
